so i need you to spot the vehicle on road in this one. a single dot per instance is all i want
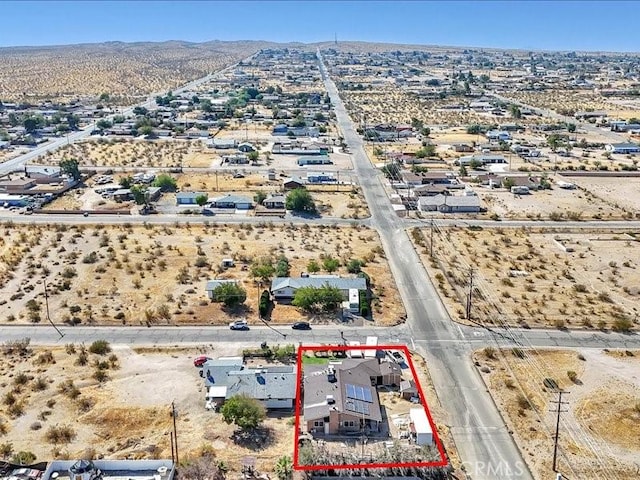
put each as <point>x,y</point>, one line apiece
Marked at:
<point>301,326</point>
<point>86,214</point>
<point>199,361</point>
<point>239,325</point>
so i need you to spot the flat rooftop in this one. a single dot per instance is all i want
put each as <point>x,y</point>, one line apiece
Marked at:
<point>116,469</point>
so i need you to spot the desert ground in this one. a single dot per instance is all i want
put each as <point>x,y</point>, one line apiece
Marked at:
<point>600,426</point>
<point>127,72</point>
<point>110,274</point>
<point>624,192</point>
<point>125,414</point>
<point>555,204</point>
<point>523,276</point>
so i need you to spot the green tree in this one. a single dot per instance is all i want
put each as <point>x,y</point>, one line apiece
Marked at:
<point>474,129</point>
<point>284,468</point>
<point>104,97</point>
<point>425,131</point>
<point>126,182</point>
<point>259,197</point>
<point>313,266</point>
<point>282,267</point>
<point>463,171</point>
<point>508,183</point>
<point>245,412</point>
<point>103,124</point>
<point>426,151</point>
<point>300,200</point>
<point>317,299</point>
<point>30,124</point>
<point>262,268</point>
<point>146,130</point>
<point>330,264</point>
<point>166,183</point>
<point>253,156</point>
<point>139,194</point>
<point>201,200</point>
<point>230,294</point>
<point>571,127</point>
<point>515,112</point>
<point>554,141</point>
<point>355,265</point>
<point>73,121</point>
<point>70,167</point>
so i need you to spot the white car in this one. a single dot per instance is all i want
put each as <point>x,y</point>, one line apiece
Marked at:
<point>239,325</point>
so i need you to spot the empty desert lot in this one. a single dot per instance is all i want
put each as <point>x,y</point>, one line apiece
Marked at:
<point>537,277</point>
<point>157,274</point>
<point>600,426</point>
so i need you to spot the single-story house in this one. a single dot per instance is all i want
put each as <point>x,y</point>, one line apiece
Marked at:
<point>188,198</point>
<point>314,160</point>
<point>624,148</point>
<point>482,159</point>
<point>342,397</point>
<point>292,183</point>
<point>13,200</point>
<point>17,186</point>
<point>273,386</point>
<point>531,182</point>
<point>222,143</point>
<point>280,129</point>
<point>235,159</point>
<point>275,201</point>
<point>232,201</point>
<point>462,147</point>
<point>122,195</point>
<point>320,177</point>
<point>498,135</point>
<point>450,204</point>
<point>215,283</point>
<point>4,144</point>
<point>246,147</point>
<point>285,287</point>
<point>430,190</point>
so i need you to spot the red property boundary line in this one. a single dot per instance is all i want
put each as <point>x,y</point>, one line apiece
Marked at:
<point>403,348</point>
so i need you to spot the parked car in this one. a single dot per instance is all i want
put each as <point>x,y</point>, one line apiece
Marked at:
<point>239,325</point>
<point>301,326</point>
<point>199,361</point>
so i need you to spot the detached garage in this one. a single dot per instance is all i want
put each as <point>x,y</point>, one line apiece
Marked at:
<point>420,427</point>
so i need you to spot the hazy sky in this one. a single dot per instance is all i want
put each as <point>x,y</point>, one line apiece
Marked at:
<point>559,25</point>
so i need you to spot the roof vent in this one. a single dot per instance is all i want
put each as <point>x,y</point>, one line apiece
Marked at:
<point>330,400</point>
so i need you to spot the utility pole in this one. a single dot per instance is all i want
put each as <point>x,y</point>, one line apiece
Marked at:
<point>431,240</point>
<point>174,413</point>
<point>46,304</point>
<point>558,411</point>
<point>470,294</point>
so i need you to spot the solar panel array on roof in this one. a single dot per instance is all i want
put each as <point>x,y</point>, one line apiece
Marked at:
<point>359,393</point>
<point>357,406</point>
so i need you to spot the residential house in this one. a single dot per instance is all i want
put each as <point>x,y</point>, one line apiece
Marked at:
<point>273,386</point>
<point>500,135</point>
<point>292,183</point>
<point>284,288</point>
<point>430,190</point>
<point>246,147</point>
<point>320,177</point>
<point>314,160</point>
<point>481,159</point>
<point>531,182</point>
<point>341,397</point>
<point>232,201</point>
<point>235,159</point>
<point>215,283</point>
<point>408,389</point>
<point>188,198</point>
<point>122,195</point>
<point>222,143</point>
<point>624,148</point>
<point>275,201</point>
<point>450,204</point>
<point>462,147</point>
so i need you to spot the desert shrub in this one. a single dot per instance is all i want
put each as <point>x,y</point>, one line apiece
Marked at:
<point>40,384</point>
<point>68,389</point>
<point>100,375</point>
<point>21,378</point>
<point>85,404</point>
<point>573,376</point>
<point>70,348</point>
<point>57,434</point>
<point>100,347</point>
<point>523,402</point>
<point>489,352</point>
<point>44,358</point>
<point>23,458</point>
<point>622,325</point>
<point>35,426</point>
<point>579,288</point>
<point>90,258</point>
<point>265,303</point>
<point>518,352</point>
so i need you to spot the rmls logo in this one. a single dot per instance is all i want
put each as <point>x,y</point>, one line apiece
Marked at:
<point>502,470</point>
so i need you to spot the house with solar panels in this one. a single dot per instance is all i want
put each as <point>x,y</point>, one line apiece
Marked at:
<point>342,397</point>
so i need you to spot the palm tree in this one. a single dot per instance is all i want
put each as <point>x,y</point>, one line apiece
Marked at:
<point>284,468</point>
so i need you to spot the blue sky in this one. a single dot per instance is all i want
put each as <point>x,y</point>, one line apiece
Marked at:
<point>560,25</point>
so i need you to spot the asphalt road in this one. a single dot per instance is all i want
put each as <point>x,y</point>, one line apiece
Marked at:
<point>480,434</point>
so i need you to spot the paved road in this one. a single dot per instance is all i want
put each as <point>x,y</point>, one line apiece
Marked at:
<point>477,428</point>
<point>468,337</point>
<point>18,162</point>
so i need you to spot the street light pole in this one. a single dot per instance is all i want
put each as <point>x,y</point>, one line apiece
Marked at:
<point>46,303</point>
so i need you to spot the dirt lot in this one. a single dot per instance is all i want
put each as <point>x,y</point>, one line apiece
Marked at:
<point>110,274</point>
<point>624,192</point>
<point>600,429</point>
<point>113,152</point>
<point>536,278</point>
<point>127,415</point>
<point>555,204</point>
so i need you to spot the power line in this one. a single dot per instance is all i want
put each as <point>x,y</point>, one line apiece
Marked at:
<point>559,402</point>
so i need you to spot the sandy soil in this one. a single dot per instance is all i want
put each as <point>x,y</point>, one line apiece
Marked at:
<point>127,416</point>
<point>109,275</point>
<point>623,192</point>
<point>557,203</point>
<point>599,432</point>
<point>522,277</point>
<point>127,72</point>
